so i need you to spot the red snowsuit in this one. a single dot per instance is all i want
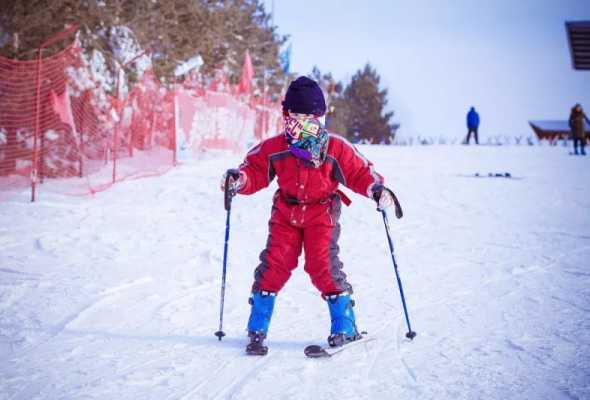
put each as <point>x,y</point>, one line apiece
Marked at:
<point>305,210</point>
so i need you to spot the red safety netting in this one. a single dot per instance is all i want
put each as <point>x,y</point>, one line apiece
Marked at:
<point>61,130</point>
<point>32,133</point>
<point>220,118</point>
<point>213,121</point>
<point>269,117</point>
<point>66,134</point>
<point>144,141</point>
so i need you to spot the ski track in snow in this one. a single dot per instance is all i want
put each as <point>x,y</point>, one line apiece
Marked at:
<point>117,295</point>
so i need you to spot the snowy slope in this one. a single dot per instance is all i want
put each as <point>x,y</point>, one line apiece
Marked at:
<point>117,296</point>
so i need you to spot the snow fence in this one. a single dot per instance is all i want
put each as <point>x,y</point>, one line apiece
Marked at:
<point>61,130</point>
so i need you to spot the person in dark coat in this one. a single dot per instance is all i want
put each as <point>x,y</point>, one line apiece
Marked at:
<point>576,122</point>
<point>472,125</point>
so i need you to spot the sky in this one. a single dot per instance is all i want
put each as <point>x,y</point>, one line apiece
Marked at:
<point>510,60</point>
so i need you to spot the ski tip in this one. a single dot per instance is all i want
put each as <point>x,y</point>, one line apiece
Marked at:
<point>315,351</point>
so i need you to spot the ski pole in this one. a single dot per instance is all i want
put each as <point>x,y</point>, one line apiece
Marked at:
<point>411,334</point>
<point>229,193</point>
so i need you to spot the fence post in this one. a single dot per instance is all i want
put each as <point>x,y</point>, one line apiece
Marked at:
<point>81,134</point>
<point>115,146</point>
<point>37,123</point>
<point>175,124</point>
<point>35,161</point>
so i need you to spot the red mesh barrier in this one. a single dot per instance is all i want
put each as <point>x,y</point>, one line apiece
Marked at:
<point>60,130</point>
<point>208,119</point>
<point>144,138</point>
<point>215,120</point>
<point>67,135</point>
<point>269,117</point>
<point>36,122</point>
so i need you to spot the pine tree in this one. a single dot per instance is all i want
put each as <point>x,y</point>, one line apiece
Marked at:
<point>245,25</point>
<point>332,92</point>
<point>170,31</point>
<point>26,24</point>
<point>359,112</point>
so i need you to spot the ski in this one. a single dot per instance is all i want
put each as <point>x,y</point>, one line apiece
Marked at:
<point>505,175</point>
<point>317,351</point>
<point>493,175</point>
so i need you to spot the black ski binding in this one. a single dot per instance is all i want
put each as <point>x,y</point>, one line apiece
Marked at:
<point>255,347</point>
<point>341,339</point>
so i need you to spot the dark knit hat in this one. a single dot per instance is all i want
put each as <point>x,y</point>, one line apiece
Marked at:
<point>304,96</point>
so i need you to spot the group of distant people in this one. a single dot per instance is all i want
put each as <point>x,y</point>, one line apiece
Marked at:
<point>576,124</point>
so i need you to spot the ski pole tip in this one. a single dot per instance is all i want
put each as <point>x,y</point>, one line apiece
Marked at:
<point>219,334</point>
<point>411,335</point>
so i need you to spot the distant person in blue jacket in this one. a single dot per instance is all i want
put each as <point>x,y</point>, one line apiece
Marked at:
<point>472,125</point>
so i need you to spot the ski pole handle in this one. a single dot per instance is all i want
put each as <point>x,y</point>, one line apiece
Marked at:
<point>378,192</point>
<point>229,190</point>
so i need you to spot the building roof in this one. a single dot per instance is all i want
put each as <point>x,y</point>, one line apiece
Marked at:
<point>552,128</point>
<point>578,35</point>
<point>557,126</point>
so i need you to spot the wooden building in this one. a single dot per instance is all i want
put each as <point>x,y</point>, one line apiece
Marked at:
<point>578,36</point>
<point>552,130</point>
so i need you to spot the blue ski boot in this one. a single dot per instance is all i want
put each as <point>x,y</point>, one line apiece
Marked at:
<point>262,305</point>
<point>343,322</point>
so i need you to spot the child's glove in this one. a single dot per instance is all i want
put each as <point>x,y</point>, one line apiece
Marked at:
<point>385,198</point>
<point>237,180</point>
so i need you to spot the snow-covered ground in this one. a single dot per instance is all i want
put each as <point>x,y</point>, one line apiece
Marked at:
<point>117,296</point>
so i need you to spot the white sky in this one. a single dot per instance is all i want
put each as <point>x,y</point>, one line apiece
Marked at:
<point>437,58</point>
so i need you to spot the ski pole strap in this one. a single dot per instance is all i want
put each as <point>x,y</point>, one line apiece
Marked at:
<point>378,190</point>
<point>398,208</point>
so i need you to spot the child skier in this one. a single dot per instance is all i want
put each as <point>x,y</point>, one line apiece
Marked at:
<point>309,164</point>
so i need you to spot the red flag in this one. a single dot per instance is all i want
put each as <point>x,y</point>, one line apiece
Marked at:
<point>247,75</point>
<point>62,107</point>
